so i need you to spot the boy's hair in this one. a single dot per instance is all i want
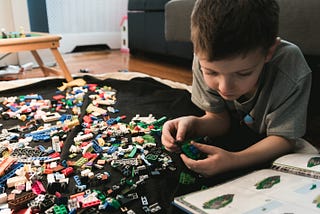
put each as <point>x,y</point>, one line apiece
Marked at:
<point>223,29</point>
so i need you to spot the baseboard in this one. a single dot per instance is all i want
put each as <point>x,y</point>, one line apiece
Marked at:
<point>70,41</point>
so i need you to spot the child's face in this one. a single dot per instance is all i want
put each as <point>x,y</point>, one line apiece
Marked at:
<point>236,77</point>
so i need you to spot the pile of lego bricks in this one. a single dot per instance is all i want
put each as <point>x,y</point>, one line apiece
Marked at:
<point>92,146</point>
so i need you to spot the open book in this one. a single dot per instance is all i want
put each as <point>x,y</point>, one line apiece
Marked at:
<point>291,185</point>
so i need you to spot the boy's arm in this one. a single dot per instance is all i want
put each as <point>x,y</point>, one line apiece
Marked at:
<point>212,124</point>
<point>263,151</point>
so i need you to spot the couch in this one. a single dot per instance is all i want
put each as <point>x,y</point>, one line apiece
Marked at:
<point>146,26</point>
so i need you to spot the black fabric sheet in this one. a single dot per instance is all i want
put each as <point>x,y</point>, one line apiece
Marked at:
<point>141,96</point>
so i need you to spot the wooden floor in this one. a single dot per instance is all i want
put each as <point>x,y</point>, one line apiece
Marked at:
<point>98,62</point>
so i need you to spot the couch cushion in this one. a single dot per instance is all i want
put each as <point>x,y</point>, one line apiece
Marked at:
<point>177,20</point>
<point>299,22</point>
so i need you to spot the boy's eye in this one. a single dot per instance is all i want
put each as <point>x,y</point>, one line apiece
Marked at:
<point>244,74</point>
<point>211,73</point>
<point>208,72</point>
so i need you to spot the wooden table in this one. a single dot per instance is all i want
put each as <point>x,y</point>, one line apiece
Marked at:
<point>35,42</point>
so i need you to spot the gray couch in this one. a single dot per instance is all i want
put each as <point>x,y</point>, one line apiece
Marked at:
<point>146,31</point>
<point>299,22</point>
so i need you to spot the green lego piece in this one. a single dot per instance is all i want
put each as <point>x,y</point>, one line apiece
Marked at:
<point>186,178</point>
<point>191,151</point>
<point>60,209</point>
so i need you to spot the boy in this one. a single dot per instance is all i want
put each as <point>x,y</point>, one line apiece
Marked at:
<point>242,74</point>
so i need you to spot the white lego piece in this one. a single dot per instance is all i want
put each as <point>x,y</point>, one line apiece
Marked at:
<point>16,179</point>
<point>49,117</point>
<point>3,198</point>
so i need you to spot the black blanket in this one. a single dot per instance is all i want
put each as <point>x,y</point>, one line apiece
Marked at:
<point>141,96</point>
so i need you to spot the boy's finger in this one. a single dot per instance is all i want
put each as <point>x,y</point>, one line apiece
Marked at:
<point>203,147</point>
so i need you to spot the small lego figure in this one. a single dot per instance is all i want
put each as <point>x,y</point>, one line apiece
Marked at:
<point>4,34</point>
<point>22,33</point>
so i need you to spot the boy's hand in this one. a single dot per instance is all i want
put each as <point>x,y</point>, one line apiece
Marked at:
<point>218,160</point>
<point>175,130</point>
<point>191,151</point>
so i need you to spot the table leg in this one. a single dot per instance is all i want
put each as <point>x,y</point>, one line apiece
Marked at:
<point>62,64</point>
<point>40,62</point>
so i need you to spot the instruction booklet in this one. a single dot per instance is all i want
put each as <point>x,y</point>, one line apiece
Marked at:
<point>291,185</point>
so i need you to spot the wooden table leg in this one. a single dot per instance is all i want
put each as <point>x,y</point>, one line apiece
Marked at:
<point>62,64</point>
<point>40,62</point>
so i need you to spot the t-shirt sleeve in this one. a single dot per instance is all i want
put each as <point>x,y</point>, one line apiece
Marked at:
<point>289,116</point>
<point>202,96</point>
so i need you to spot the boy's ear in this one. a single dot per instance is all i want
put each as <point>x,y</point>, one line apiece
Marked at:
<point>272,49</point>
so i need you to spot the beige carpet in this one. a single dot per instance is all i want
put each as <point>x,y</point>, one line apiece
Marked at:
<point>4,85</point>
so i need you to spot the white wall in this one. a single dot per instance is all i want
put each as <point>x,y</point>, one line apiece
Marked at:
<point>13,15</point>
<point>83,22</point>
<point>7,22</point>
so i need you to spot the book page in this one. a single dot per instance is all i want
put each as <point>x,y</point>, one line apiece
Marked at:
<point>298,163</point>
<point>263,191</point>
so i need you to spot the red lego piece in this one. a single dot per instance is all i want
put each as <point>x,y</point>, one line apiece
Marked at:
<point>38,188</point>
<point>89,155</point>
<point>55,155</point>
<point>92,87</point>
<point>58,97</point>
<point>90,204</point>
<point>87,119</point>
<point>67,171</point>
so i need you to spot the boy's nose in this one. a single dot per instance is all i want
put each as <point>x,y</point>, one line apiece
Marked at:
<point>225,86</point>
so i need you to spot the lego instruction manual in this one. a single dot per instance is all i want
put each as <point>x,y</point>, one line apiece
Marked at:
<point>262,191</point>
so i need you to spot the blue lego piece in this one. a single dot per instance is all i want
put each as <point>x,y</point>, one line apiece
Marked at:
<point>79,185</point>
<point>64,163</point>
<point>8,175</point>
<point>33,97</point>
<point>65,117</point>
<point>12,108</point>
<point>2,188</point>
<point>112,121</point>
<point>41,148</point>
<point>104,206</point>
<point>78,91</point>
<point>98,136</point>
<point>248,119</point>
<point>96,146</point>
<point>40,158</point>
<point>43,131</point>
<point>12,137</point>
<point>40,137</point>
<point>73,211</point>
<point>112,149</point>
<point>94,117</point>
<point>77,179</point>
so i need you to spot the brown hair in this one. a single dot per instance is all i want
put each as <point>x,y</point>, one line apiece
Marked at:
<point>227,28</point>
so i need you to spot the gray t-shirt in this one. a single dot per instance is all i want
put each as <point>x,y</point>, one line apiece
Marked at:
<point>279,106</point>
